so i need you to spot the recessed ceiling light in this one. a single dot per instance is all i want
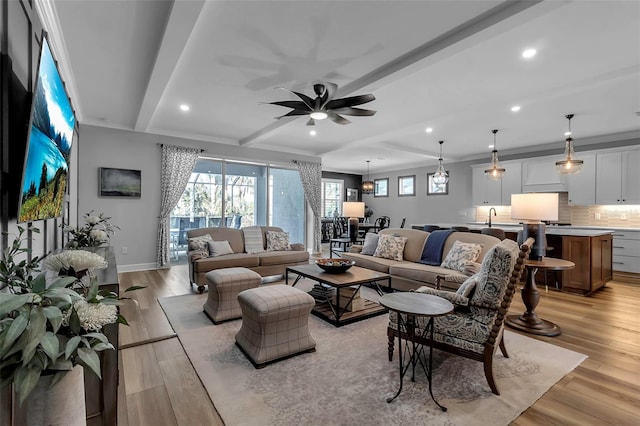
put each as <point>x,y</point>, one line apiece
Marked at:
<point>515,108</point>
<point>428,130</point>
<point>184,107</point>
<point>529,53</point>
<point>313,132</point>
<point>491,146</point>
<point>567,133</point>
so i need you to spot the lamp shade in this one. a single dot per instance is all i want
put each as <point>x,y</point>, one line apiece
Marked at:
<point>353,209</point>
<point>534,206</point>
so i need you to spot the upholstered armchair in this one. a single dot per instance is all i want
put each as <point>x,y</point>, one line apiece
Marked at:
<point>475,328</point>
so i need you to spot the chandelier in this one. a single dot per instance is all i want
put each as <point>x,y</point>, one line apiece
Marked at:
<point>495,172</point>
<point>569,165</point>
<point>367,185</point>
<point>440,177</point>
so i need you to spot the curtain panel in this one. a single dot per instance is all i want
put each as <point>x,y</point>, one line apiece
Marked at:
<point>311,177</point>
<point>177,164</point>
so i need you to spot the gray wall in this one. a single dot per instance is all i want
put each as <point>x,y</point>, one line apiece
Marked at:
<point>138,218</point>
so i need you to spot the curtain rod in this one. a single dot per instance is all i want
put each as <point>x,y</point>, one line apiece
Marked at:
<point>162,144</point>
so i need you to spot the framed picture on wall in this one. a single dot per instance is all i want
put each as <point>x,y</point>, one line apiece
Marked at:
<point>406,186</point>
<point>381,187</point>
<point>434,188</point>
<point>120,182</point>
<point>352,194</point>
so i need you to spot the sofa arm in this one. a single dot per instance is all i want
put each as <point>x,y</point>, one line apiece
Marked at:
<point>455,298</point>
<point>196,254</point>
<point>297,247</point>
<point>449,278</point>
<point>355,248</point>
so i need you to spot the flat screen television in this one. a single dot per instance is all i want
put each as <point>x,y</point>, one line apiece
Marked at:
<point>51,126</point>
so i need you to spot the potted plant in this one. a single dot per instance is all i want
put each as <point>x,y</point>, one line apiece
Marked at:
<point>49,328</point>
<point>97,230</point>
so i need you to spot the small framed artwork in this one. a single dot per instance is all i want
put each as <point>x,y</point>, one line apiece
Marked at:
<point>381,187</point>
<point>352,194</point>
<point>434,188</point>
<point>120,183</point>
<point>406,186</point>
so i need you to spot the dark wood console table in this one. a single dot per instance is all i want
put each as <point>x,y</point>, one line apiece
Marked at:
<point>529,322</point>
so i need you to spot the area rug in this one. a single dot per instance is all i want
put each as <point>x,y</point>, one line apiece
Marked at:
<point>347,380</point>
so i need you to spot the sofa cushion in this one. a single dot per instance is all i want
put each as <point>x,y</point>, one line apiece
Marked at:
<point>370,243</point>
<point>234,236</point>
<point>422,273</point>
<point>277,241</point>
<point>270,258</point>
<point>253,241</point>
<point>495,274</point>
<point>374,263</point>
<point>390,247</point>
<point>461,255</point>
<point>219,248</point>
<point>200,243</point>
<point>487,241</point>
<point>227,261</point>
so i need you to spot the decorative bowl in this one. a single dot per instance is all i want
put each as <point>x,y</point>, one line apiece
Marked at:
<point>335,266</point>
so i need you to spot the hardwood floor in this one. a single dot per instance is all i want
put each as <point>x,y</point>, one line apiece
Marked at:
<point>158,385</point>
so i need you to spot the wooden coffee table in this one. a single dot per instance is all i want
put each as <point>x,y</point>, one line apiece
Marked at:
<point>354,277</point>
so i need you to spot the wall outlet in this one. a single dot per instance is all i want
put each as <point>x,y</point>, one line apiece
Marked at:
<point>125,250</point>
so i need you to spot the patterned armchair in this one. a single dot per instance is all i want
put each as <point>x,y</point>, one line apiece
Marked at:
<point>475,328</point>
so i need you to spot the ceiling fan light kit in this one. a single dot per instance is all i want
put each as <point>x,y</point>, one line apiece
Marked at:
<point>440,177</point>
<point>570,165</point>
<point>324,106</point>
<point>495,172</point>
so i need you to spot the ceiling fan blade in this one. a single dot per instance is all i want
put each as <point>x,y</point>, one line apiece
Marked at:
<point>354,111</point>
<point>337,119</point>
<point>330,91</point>
<point>311,122</point>
<point>293,113</point>
<point>306,99</point>
<point>350,101</point>
<point>290,104</point>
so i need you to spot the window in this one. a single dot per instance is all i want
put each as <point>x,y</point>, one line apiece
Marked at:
<point>381,187</point>
<point>234,194</point>
<point>406,185</point>
<point>332,190</point>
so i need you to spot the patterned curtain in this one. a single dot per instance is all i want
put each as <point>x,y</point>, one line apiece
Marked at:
<point>177,164</point>
<point>311,177</point>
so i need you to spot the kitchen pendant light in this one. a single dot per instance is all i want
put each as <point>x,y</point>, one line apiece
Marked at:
<point>495,172</point>
<point>569,165</point>
<point>440,177</point>
<point>367,185</point>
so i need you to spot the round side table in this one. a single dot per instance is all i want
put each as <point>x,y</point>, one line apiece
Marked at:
<point>529,322</point>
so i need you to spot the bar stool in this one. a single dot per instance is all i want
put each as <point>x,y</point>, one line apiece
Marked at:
<point>496,232</point>
<point>431,228</point>
<point>460,228</point>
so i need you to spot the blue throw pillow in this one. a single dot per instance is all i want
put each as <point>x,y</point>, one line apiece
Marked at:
<point>370,243</point>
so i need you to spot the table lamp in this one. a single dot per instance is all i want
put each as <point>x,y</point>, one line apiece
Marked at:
<point>533,208</point>
<point>353,210</point>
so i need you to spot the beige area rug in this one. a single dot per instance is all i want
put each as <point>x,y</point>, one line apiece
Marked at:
<point>347,380</point>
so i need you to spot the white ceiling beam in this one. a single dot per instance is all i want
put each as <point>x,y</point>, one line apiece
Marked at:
<point>183,15</point>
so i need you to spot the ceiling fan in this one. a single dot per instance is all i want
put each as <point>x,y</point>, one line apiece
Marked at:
<point>324,106</point>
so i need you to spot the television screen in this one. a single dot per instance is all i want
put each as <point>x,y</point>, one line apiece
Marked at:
<point>46,165</point>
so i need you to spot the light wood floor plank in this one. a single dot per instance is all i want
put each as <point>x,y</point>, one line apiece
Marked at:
<point>150,407</point>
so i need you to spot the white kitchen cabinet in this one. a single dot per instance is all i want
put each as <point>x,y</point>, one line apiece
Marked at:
<point>582,186</point>
<point>617,177</point>
<point>626,251</point>
<point>489,192</point>
<point>511,182</point>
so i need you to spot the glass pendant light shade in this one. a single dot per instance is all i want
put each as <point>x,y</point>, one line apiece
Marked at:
<point>570,165</point>
<point>367,185</point>
<point>440,177</point>
<point>495,172</point>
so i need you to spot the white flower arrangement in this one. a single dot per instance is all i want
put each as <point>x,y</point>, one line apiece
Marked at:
<point>93,316</point>
<point>96,231</point>
<point>76,260</point>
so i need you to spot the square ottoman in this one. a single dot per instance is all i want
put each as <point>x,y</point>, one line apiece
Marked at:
<point>224,286</point>
<point>275,323</point>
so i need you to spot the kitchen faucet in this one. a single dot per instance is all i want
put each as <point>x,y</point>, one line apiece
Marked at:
<point>494,213</point>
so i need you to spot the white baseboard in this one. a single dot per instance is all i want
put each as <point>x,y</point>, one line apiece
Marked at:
<point>137,267</point>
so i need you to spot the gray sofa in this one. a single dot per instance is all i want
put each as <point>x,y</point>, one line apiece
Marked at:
<point>408,274</point>
<point>265,263</point>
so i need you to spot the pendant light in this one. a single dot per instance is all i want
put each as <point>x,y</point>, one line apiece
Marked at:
<point>367,185</point>
<point>495,172</point>
<point>440,177</point>
<point>569,165</point>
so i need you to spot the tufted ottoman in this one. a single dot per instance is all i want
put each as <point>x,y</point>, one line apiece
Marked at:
<point>224,286</point>
<point>275,323</point>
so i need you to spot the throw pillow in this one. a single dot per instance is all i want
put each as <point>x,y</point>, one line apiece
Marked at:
<point>467,287</point>
<point>390,247</point>
<point>277,241</point>
<point>370,243</point>
<point>200,243</point>
<point>253,239</point>
<point>218,248</point>
<point>460,255</point>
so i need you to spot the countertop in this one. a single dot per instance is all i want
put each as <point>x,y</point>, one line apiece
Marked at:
<point>571,231</point>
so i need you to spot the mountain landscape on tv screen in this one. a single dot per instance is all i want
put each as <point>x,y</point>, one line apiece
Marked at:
<point>46,167</point>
